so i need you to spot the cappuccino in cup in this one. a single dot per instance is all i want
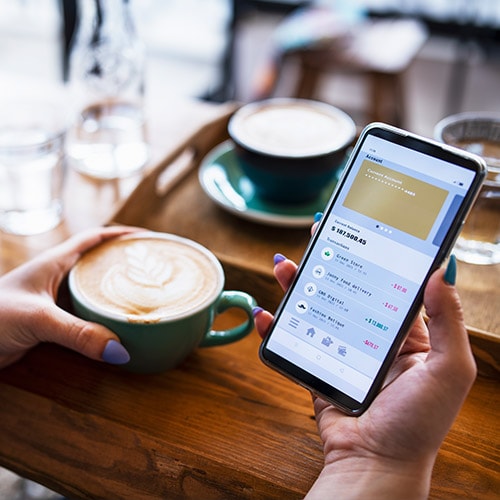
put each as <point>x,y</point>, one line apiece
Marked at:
<point>159,293</point>
<point>290,149</point>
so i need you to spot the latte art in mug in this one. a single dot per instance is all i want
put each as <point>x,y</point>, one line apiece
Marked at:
<point>148,280</point>
<point>160,294</point>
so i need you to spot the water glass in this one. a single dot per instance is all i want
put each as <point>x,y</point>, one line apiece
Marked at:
<point>478,132</point>
<point>108,138</point>
<point>31,167</point>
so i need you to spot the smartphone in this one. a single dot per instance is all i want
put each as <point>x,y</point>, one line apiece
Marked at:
<point>391,221</point>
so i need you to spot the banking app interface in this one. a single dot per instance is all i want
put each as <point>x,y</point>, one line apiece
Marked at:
<point>376,247</point>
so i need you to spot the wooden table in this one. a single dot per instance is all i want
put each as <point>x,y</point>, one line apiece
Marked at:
<point>221,426</point>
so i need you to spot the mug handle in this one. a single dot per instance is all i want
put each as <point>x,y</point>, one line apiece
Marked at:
<point>227,300</point>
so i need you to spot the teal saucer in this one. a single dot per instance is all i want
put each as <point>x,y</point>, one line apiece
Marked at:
<point>223,181</point>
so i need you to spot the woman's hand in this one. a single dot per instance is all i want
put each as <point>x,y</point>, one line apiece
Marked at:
<point>30,314</point>
<point>389,451</point>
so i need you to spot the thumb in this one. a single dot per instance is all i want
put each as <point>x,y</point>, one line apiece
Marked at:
<point>90,339</point>
<point>263,320</point>
<point>450,347</point>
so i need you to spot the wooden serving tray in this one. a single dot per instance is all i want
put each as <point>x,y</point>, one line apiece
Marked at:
<point>170,199</point>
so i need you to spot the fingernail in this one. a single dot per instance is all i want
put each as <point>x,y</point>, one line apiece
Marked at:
<point>115,354</point>
<point>317,216</point>
<point>278,258</point>
<point>256,310</point>
<point>450,276</point>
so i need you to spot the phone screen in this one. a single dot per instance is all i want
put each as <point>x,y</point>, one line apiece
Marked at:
<point>391,221</point>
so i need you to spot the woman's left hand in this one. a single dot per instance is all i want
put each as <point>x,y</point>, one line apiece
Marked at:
<point>29,311</point>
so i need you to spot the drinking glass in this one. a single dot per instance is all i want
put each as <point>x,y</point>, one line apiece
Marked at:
<point>31,167</point>
<point>478,132</point>
<point>108,137</point>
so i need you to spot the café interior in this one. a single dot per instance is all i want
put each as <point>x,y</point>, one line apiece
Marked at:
<point>409,63</point>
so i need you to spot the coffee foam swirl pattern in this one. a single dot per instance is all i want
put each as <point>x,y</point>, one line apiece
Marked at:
<point>147,279</point>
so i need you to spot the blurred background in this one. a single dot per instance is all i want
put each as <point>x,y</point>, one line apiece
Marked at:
<point>425,59</point>
<point>221,49</point>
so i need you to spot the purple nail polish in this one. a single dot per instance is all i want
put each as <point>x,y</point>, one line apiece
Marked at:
<point>115,354</point>
<point>278,258</point>
<point>256,310</point>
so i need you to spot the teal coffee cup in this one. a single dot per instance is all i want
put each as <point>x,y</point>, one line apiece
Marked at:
<point>290,149</point>
<point>160,294</point>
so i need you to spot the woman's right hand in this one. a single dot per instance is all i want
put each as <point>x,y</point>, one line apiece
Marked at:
<point>389,451</point>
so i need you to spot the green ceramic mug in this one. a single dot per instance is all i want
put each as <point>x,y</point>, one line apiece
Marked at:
<point>291,149</point>
<point>160,294</point>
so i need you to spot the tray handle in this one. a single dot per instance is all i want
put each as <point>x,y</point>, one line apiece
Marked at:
<point>149,194</point>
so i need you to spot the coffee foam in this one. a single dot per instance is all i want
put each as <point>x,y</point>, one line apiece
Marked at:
<point>147,279</point>
<point>294,130</point>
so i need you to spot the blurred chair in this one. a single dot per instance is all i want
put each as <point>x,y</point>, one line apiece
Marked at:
<point>319,41</point>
